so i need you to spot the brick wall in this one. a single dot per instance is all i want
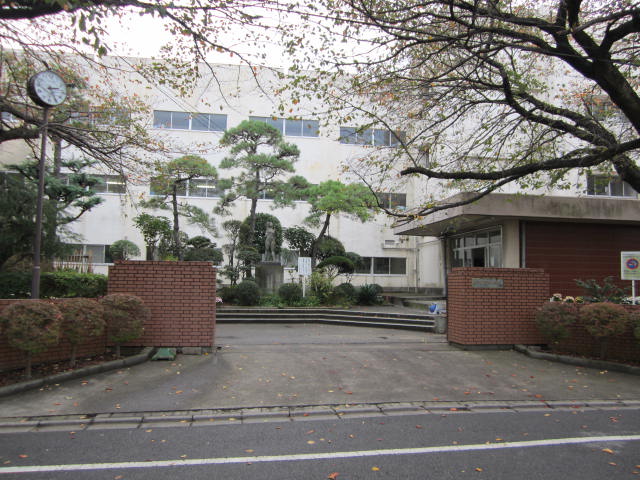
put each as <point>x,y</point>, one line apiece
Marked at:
<point>181,296</point>
<point>495,316</point>
<point>623,347</point>
<point>11,358</point>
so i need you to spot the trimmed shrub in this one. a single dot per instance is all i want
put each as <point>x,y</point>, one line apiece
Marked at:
<point>125,316</point>
<point>82,318</point>
<point>31,326</point>
<point>604,320</point>
<point>554,318</point>
<point>228,294</point>
<point>345,293</point>
<point>65,284</point>
<point>247,293</point>
<point>290,293</point>
<point>369,294</point>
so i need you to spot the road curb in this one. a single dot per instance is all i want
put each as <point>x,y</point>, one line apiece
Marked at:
<point>578,361</point>
<point>228,416</point>
<point>81,372</point>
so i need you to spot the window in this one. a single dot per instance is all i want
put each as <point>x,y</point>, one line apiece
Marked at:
<point>370,136</point>
<point>383,266</point>
<point>196,187</point>
<point>110,184</point>
<point>609,186</point>
<point>292,127</point>
<point>392,201</point>
<point>89,254</point>
<point>478,249</point>
<point>204,122</point>
<point>98,116</point>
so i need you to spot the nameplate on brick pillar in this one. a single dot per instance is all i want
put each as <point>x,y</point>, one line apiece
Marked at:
<point>487,283</point>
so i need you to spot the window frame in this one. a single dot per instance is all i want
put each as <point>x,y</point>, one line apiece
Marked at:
<point>188,187</point>
<point>608,191</point>
<point>370,267</point>
<point>369,136</point>
<point>281,124</point>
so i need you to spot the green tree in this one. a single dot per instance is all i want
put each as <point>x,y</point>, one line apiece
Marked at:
<point>300,240</point>
<point>232,269</point>
<point>332,198</point>
<point>170,182</point>
<point>488,92</point>
<point>123,250</point>
<point>201,249</point>
<point>67,198</point>
<point>154,230</point>
<point>258,151</point>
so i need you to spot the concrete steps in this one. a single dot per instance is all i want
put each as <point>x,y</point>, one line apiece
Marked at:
<point>381,319</point>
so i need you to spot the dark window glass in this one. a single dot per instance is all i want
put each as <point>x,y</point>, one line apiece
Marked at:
<point>365,266</point>
<point>381,137</point>
<point>200,121</point>
<point>365,137</point>
<point>398,266</point>
<point>381,265</point>
<point>161,119</point>
<point>217,122</point>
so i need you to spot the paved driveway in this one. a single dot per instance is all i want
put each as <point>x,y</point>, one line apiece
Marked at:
<point>309,364</point>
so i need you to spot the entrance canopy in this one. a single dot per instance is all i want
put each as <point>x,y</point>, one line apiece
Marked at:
<point>499,206</point>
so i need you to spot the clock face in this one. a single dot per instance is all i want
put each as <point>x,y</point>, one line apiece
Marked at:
<point>47,89</point>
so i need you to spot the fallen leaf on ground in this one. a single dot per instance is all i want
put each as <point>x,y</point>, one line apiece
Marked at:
<point>607,450</point>
<point>333,476</point>
<point>375,469</point>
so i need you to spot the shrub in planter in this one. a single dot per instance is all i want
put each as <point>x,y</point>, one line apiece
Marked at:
<point>125,316</point>
<point>290,293</point>
<point>604,320</point>
<point>369,294</point>
<point>82,318</point>
<point>607,292</point>
<point>247,293</point>
<point>554,318</point>
<point>31,326</point>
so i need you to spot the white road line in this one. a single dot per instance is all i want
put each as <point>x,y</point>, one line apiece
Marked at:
<point>318,456</point>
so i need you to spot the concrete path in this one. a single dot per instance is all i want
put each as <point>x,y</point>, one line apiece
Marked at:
<point>308,364</point>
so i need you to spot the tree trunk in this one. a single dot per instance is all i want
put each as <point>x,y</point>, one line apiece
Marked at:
<point>325,227</point>
<point>117,350</point>
<point>176,225</point>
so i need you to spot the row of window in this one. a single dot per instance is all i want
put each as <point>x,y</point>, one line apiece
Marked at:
<point>383,266</point>
<point>215,122</point>
<point>608,186</point>
<point>477,249</point>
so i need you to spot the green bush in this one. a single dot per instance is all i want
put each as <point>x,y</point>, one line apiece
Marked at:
<point>345,293</point>
<point>554,318</point>
<point>247,293</point>
<point>65,284</point>
<point>31,326</point>
<point>15,284</point>
<point>125,316</point>
<point>290,293</point>
<point>369,294</point>
<point>596,293</point>
<point>635,324</point>
<point>82,318</point>
<point>228,294</point>
<point>320,286</point>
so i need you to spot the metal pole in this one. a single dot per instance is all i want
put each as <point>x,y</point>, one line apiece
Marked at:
<point>37,242</point>
<point>633,291</point>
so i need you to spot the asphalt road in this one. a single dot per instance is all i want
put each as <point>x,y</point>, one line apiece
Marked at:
<point>329,402</point>
<point>540,443</point>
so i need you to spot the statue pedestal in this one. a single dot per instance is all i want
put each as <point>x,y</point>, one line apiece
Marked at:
<point>269,276</point>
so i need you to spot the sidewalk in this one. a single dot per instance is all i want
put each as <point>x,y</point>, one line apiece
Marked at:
<point>313,364</point>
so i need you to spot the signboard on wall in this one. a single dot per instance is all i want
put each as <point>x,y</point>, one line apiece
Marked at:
<point>630,265</point>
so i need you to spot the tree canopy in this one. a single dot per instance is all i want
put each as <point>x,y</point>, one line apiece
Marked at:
<point>487,93</point>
